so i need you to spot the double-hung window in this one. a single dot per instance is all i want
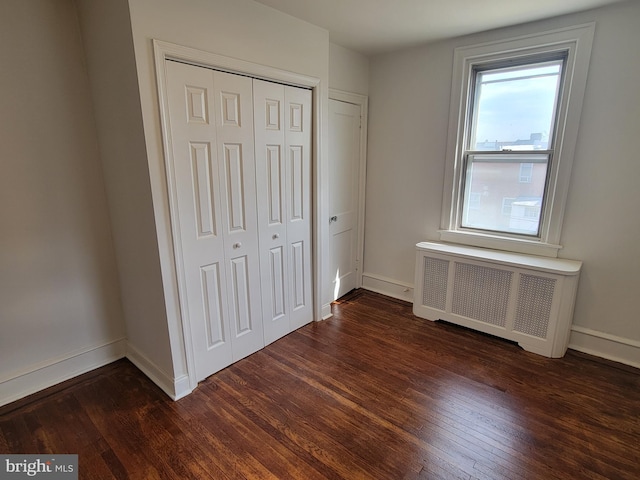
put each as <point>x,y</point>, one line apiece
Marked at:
<point>510,143</point>
<point>514,118</point>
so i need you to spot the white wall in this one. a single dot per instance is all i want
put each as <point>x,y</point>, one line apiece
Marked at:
<point>60,310</point>
<point>114,88</point>
<point>348,70</point>
<point>409,109</point>
<point>241,29</point>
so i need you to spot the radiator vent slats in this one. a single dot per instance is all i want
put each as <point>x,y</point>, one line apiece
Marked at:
<point>535,296</point>
<point>436,273</point>
<point>481,293</point>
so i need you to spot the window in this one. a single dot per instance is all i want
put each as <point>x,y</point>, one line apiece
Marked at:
<point>516,105</point>
<point>506,206</point>
<point>526,172</point>
<point>474,200</point>
<point>513,124</point>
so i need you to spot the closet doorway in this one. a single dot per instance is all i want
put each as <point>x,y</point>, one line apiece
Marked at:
<point>239,171</point>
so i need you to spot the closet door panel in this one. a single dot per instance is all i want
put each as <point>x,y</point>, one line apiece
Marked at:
<point>233,106</point>
<point>273,206</point>
<point>298,191</point>
<point>200,244</point>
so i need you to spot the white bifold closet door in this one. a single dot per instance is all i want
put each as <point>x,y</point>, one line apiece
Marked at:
<point>283,165</point>
<point>239,274</point>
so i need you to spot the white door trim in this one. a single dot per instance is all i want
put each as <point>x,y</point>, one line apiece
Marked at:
<point>164,51</point>
<point>363,102</point>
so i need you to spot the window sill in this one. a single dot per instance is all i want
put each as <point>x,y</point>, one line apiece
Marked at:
<point>517,245</point>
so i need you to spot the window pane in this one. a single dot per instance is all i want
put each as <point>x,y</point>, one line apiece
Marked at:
<point>515,107</point>
<point>496,199</point>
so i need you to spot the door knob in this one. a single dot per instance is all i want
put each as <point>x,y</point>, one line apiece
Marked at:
<point>237,245</point>
<point>333,219</point>
<point>276,236</point>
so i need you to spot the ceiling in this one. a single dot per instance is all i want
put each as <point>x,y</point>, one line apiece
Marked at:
<point>375,26</point>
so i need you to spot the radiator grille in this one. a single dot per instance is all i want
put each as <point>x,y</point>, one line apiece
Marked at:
<point>436,274</point>
<point>481,293</point>
<point>535,296</point>
<point>523,298</point>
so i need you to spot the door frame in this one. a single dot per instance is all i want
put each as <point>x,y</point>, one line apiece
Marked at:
<point>165,51</point>
<point>361,101</point>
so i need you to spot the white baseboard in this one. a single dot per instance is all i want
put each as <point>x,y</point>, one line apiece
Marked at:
<point>605,345</point>
<point>176,388</point>
<point>593,342</point>
<point>57,370</point>
<point>47,374</point>
<point>326,311</point>
<point>182,387</point>
<point>387,286</point>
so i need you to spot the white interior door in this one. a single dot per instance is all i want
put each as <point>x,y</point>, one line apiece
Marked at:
<point>213,180</point>
<point>344,159</point>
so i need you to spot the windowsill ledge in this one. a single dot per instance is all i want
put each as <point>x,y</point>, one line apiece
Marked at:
<point>508,244</point>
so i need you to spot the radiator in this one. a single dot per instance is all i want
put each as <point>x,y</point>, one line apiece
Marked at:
<point>523,298</point>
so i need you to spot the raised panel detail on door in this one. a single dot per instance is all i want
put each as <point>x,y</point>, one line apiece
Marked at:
<point>202,187</point>
<point>299,277</point>
<point>274,183</point>
<point>342,257</point>
<point>276,256</point>
<point>213,300</point>
<point>235,172</point>
<point>240,306</point>
<point>295,117</point>
<point>230,109</point>
<point>197,105</point>
<point>296,170</point>
<point>272,114</point>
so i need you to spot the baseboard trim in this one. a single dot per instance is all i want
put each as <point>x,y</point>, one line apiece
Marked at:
<point>387,286</point>
<point>325,312</point>
<point>175,388</point>
<point>47,374</point>
<point>182,387</point>
<point>605,345</point>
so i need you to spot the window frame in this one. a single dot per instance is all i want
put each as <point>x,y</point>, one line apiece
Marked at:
<point>574,42</point>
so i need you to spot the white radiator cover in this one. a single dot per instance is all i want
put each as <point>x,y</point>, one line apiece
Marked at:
<point>519,297</point>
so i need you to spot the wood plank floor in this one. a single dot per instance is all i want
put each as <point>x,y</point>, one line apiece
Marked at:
<point>373,393</point>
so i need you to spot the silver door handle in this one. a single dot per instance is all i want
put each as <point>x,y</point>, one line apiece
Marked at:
<point>333,219</point>
<point>237,245</point>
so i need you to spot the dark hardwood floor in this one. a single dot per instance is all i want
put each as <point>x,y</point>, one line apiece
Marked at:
<point>373,393</point>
